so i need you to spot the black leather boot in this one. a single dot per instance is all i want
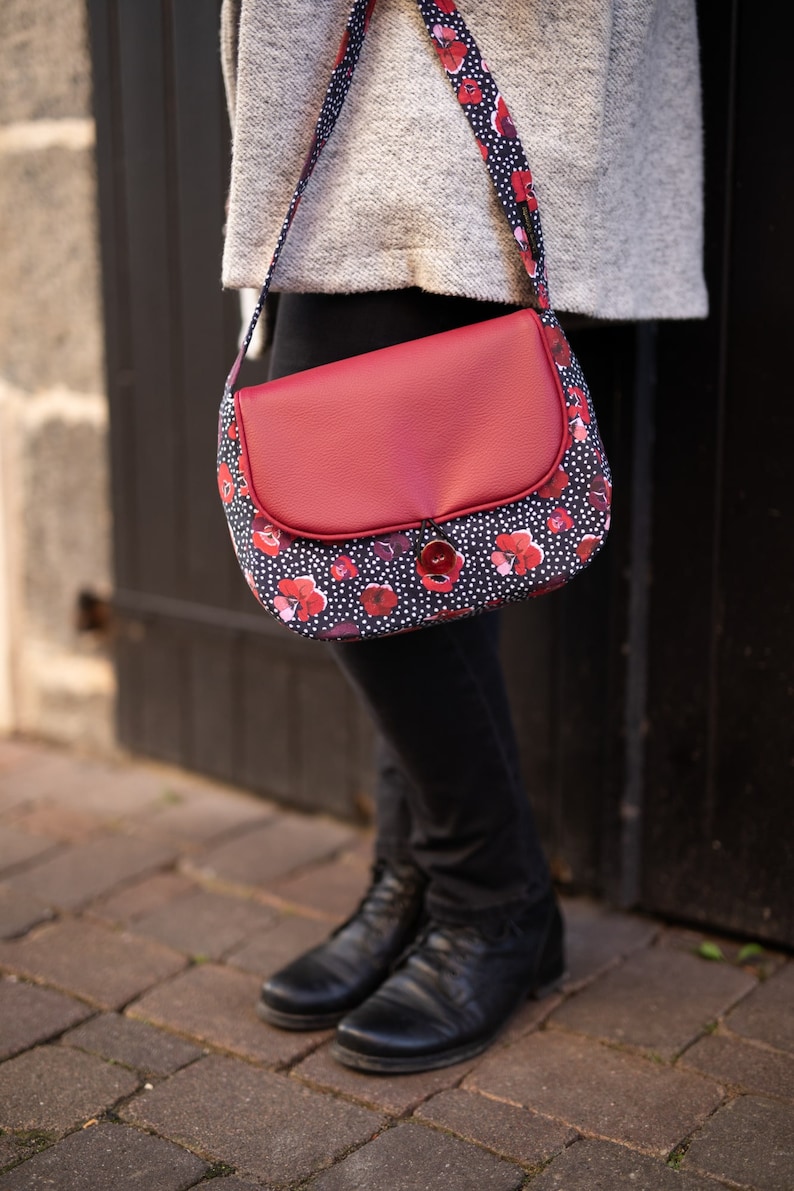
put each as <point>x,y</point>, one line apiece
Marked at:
<point>452,993</point>
<point>323,985</point>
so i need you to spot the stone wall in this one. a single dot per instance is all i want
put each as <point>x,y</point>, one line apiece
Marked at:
<point>56,682</point>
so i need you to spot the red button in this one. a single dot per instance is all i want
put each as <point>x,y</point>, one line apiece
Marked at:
<point>437,557</point>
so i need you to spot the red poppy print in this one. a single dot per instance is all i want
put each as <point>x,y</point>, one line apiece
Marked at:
<point>502,120</point>
<point>483,150</point>
<point>559,521</point>
<point>446,6</point>
<point>558,346</point>
<point>469,92</point>
<point>225,484</point>
<point>299,597</point>
<point>232,431</point>
<point>392,546</point>
<point>578,407</point>
<point>340,632</point>
<point>600,494</point>
<point>554,488</point>
<point>589,543</point>
<point>444,582</point>
<point>521,181</point>
<point>516,553</point>
<point>378,599</point>
<point>449,49</point>
<point>343,568</point>
<point>269,538</point>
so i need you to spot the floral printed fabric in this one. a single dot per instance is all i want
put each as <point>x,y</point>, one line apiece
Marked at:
<point>366,587</point>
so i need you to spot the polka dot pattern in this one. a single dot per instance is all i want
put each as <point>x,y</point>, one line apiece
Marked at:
<point>366,586</point>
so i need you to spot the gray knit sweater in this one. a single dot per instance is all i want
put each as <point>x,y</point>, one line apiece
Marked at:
<point>606,99</point>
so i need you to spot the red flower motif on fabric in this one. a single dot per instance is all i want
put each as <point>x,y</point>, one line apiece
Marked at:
<point>378,599</point>
<point>600,494</point>
<point>483,150</point>
<point>554,488</point>
<point>578,407</point>
<point>502,120</point>
<point>587,546</point>
<point>449,49</point>
<point>392,546</point>
<point>269,538</point>
<point>559,520</point>
<point>340,632</point>
<point>446,6</point>
<point>343,568</point>
<point>299,597</point>
<point>225,484</point>
<point>232,431</point>
<point>516,553</point>
<point>521,181</point>
<point>469,91</point>
<point>558,346</point>
<point>440,582</point>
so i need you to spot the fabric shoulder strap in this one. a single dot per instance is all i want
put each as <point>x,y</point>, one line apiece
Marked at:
<point>488,117</point>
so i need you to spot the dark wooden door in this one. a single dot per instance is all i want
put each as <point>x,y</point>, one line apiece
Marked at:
<point>644,722</point>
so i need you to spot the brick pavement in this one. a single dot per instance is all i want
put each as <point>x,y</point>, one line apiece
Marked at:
<point>140,907</point>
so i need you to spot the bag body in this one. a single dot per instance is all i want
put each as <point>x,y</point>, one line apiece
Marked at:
<point>434,479</point>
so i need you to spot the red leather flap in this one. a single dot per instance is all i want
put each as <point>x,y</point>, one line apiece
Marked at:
<point>433,428</point>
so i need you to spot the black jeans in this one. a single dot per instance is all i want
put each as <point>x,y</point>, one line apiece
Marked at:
<point>449,793</point>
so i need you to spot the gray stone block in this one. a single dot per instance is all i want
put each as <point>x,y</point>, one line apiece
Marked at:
<point>659,1001</point>
<point>396,1095</point>
<point>218,1006</point>
<point>267,853</point>
<point>19,912</point>
<point>17,848</point>
<point>77,874</point>
<point>285,940</point>
<point>266,1126</point>
<point>750,1141</point>
<point>50,312</point>
<point>742,1065</point>
<point>512,1132</point>
<point>29,1015</point>
<point>599,1166</point>
<point>103,966</point>
<point>204,924</point>
<point>133,1043</point>
<point>599,1090</point>
<point>766,1014</point>
<point>108,1157</point>
<point>412,1158</point>
<point>44,59</point>
<point>56,1089</point>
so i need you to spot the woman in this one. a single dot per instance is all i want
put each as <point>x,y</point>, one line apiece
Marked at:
<point>397,237</point>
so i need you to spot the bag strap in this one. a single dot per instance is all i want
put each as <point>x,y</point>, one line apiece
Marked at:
<point>488,117</point>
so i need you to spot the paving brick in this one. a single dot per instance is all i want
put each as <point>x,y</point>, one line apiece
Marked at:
<point>106,967</point>
<point>204,923</point>
<point>288,937</point>
<point>658,1000</point>
<point>234,1184</point>
<point>742,1065</point>
<point>761,963</point>
<point>15,1149</point>
<point>264,854</point>
<point>217,1005</point>
<point>197,818</point>
<point>396,1095</point>
<point>416,1158</point>
<point>597,938</point>
<point>19,912</point>
<point>55,1089</point>
<point>29,1015</point>
<point>265,1125</point>
<point>31,777</point>
<point>142,897</point>
<point>18,848</point>
<point>750,1141</point>
<point>133,1043</point>
<point>108,1157</point>
<point>82,872</point>
<point>767,1013</point>
<point>334,889</point>
<point>599,1166</point>
<point>512,1132</point>
<point>109,790</point>
<point>599,1090</point>
<point>59,822</point>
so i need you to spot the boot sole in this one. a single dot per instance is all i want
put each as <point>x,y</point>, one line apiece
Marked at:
<point>298,1021</point>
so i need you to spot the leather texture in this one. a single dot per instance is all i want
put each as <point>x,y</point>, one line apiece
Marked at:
<point>454,423</point>
<point>453,992</point>
<point>318,988</point>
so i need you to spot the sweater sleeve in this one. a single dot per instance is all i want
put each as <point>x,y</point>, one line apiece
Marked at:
<point>229,37</point>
